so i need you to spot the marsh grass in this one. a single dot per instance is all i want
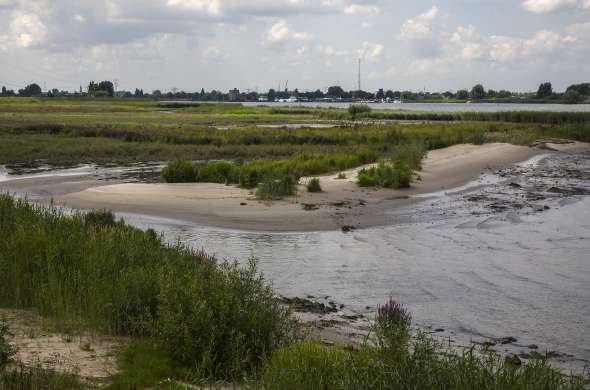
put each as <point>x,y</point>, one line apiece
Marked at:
<point>313,185</point>
<point>392,359</point>
<point>179,171</point>
<point>387,174</point>
<point>218,319</point>
<point>22,377</point>
<point>276,188</point>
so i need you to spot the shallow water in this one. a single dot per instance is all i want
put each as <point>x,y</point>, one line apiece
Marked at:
<point>442,107</point>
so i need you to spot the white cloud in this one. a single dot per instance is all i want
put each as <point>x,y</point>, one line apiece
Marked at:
<point>280,32</point>
<point>371,51</point>
<point>214,54</point>
<point>544,6</point>
<point>509,49</point>
<point>419,27</point>
<point>360,9</point>
<point>209,7</point>
<point>27,30</point>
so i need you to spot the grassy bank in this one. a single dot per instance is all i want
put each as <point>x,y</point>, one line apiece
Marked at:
<point>215,320</point>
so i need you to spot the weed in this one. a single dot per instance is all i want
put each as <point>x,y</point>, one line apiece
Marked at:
<point>314,185</point>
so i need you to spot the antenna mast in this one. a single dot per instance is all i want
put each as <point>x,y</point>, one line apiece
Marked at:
<point>359,75</point>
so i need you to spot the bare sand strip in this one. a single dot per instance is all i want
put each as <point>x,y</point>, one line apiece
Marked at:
<point>341,203</point>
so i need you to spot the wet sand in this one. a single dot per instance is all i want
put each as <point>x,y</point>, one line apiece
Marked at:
<point>342,202</point>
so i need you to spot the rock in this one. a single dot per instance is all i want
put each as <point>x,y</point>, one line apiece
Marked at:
<point>439,330</point>
<point>507,340</point>
<point>515,185</point>
<point>512,360</point>
<point>533,346</point>
<point>347,228</point>
<point>243,204</point>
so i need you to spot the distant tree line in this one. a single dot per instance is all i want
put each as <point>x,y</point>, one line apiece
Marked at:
<point>576,93</point>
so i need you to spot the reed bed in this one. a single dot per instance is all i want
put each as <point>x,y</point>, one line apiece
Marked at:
<point>87,272</point>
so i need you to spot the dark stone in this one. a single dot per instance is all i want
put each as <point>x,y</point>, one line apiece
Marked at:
<point>347,228</point>
<point>243,204</point>
<point>533,346</point>
<point>515,185</point>
<point>439,330</point>
<point>507,340</point>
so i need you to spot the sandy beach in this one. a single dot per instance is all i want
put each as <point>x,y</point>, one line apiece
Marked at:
<point>342,202</point>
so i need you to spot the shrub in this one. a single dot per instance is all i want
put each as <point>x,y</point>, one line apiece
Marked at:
<point>386,174</point>
<point>100,218</point>
<point>218,172</point>
<point>272,188</point>
<point>356,110</point>
<point>314,185</point>
<point>341,176</point>
<point>180,171</point>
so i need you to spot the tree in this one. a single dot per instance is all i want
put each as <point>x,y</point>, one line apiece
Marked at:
<point>492,93</point>
<point>104,88</point>
<point>380,94</point>
<point>389,94</point>
<point>336,92</point>
<point>272,95</point>
<point>462,95</point>
<point>478,92</point>
<point>545,90</point>
<point>582,89</point>
<point>573,97</point>
<point>30,90</point>
<point>3,91</point>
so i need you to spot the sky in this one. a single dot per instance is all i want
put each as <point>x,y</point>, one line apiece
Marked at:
<point>438,45</point>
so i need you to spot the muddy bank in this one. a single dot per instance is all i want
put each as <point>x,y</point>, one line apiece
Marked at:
<point>341,204</point>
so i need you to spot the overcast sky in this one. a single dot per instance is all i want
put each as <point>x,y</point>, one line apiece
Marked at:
<point>257,44</point>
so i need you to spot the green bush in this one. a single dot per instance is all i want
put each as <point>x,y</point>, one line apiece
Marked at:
<point>100,218</point>
<point>180,171</point>
<point>276,188</point>
<point>222,172</point>
<point>314,185</point>
<point>216,318</point>
<point>387,175</point>
<point>356,110</point>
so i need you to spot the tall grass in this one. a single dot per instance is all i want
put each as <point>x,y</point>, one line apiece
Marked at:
<point>393,360</point>
<point>217,319</point>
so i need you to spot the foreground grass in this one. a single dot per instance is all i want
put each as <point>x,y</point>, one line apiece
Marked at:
<point>215,319</point>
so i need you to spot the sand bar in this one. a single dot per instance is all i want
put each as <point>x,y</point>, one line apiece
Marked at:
<point>341,203</point>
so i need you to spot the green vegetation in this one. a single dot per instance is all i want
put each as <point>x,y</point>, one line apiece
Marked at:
<point>314,185</point>
<point>395,361</point>
<point>73,131</point>
<point>216,319</point>
<point>38,378</point>
<point>387,174</point>
<point>358,110</point>
<point>180,171</point>
<point>271,189</point>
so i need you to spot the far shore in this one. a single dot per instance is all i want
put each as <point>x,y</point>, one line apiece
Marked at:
<point>341,203</point>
